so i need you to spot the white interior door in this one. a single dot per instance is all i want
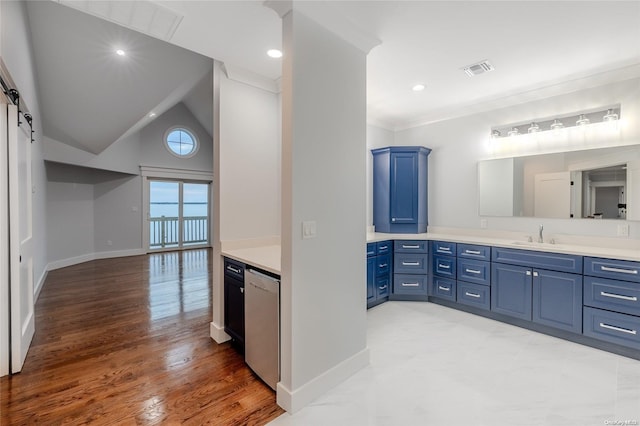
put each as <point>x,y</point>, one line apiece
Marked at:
<point>552,195</point>
<point>20,240</point>
<point>4,246</point>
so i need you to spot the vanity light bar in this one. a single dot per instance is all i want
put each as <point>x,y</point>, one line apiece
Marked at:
<point>601,115</point>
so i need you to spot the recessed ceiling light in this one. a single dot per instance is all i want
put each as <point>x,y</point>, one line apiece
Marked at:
<point>152,115</point>
<point>120,52</point>
<point>274,53</point>
<point>418,87</point>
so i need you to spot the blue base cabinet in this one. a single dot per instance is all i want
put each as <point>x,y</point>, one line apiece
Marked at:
<point>557,300</point>
<point>410,270</point>
<point>511,290</point>
<point>400,189</point>
<point>379,271</point>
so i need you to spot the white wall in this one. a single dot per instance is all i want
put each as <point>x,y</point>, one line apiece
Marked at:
<point>249,161</point>
<point>17,54</point>
<point>459,143</point>
<point>154,153</point>
<point>117,214</point>
<point>323,314</point>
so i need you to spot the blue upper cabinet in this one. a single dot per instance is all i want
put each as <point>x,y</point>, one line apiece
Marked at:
<point>400,189</point>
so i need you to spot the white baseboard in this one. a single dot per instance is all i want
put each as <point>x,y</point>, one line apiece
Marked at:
<point>293,401</point>
<point>63,263</point>
<point>39,284</point>
<point>217,333</point>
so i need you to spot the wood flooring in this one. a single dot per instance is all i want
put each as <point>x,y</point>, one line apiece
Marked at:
<point>126,342</point>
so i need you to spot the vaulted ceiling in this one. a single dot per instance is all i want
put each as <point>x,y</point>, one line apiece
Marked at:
<point>531,44</point>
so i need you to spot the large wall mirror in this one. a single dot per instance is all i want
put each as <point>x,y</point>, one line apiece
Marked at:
<point>595,184</point>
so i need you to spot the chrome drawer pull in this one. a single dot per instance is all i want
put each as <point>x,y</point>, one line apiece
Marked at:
<point>410,284</point>
<point>237,271</point>
<point>382,265</point>
<point>612,327</point>
<point>411,247</point>
<point>619,296</point>
<point>383,287</point>
<point>472,251</point>
<point>476,295</point>
<point>473,271</point>
<point>444,266</point>
<point>447,249</point>
<point>410,263</point>
<point>383,248</point>
<point>444,288</point>
<point>622,271</point>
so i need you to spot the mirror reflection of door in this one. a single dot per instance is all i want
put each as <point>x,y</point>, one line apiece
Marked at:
<point>605,192</point>
<point>178,214</point>
<point>552,197</point>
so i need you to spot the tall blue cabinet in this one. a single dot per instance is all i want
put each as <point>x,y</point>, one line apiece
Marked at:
<point>400,189</point>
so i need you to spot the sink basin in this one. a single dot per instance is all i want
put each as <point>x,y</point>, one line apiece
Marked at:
<point>539,245</point>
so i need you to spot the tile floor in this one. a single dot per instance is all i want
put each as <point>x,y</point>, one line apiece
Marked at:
<point>432,365</point>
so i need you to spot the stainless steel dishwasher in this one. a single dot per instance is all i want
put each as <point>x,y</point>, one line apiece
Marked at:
<point>262,325</point>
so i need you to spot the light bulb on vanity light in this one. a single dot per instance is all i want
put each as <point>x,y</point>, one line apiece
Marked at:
<point>557,124</point>
<point>495,134</point>
<point>513,132</point>
<point>534,128</point>
<point>582,120</point>
<point>610,116</point>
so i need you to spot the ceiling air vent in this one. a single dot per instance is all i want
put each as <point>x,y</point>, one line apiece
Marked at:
<point>478,68</point>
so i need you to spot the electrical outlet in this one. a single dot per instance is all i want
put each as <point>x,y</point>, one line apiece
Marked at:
<point>483,223</point>
<point>623,230</point>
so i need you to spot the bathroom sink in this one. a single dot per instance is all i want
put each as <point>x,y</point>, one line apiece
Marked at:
<point>539,245</point>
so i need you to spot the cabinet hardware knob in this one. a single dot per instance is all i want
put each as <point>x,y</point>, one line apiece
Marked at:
<point>410,247</point>
<point>410,284</point>
<point>620,270</point>
<point>410,263</point>
<point>444,288</point>
<point>444,266</point>
<point>535,274</point>
<point>473,271</point>
<point>528,273</point>
<point>619,296</point>
<point>621,329</point>
<point>476,295</point>
<point>472,251</point>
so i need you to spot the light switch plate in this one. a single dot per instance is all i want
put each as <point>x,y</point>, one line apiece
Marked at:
<point>308,229</point>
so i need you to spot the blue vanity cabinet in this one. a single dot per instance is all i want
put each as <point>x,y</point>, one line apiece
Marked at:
<point>410,270</point>
<point>557,299</point>
<point>379,272</point>
<point>474,275</point>
<point>443,267</point>
<point>400,189</point>
<point>511,290</point>
<point>612,301</point>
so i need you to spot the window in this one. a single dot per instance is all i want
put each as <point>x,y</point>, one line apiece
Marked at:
<point>181,142</point>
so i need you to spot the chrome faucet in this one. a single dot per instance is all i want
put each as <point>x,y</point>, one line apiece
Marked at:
<point>540,239</point>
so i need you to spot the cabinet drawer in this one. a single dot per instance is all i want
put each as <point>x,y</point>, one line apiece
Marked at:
<point>383,247</point>
<point>409,284</point>
<point>382,287</point>
<point>620,296</point>
<point>472,251</point>
<point>445,266</point>
<point>610,268</point>
<point>444,288</point>
<point>538,259</point>
<point>371,249</point>
<point>443,247</point>
<point>409,263</point>
<point>474,294</point>
<point>234,269</point>
<point>410,246</point>
<point>383,265</point>
<point>475,271</point>
<point>612,327</point>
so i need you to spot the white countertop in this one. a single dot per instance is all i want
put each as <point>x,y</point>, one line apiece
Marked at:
<point>263,257</point>
<point>582,250</point>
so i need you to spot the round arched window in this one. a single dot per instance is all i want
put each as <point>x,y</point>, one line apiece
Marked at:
<point>181,142</point>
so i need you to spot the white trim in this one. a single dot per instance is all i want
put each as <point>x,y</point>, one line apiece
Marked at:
<point>293,401</point>
<point>39,284</point>
<point>171,173</point>
<point>63,263</point>
<point>250,78</point>
<point>217,333</point>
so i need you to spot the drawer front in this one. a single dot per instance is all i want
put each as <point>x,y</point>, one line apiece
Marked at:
<point>610,268</point>
<point>410,284</point>
<point>444,266</point>
<point>612,327</point>
<point>474,294</point>
<point>620,296</point>
<point>383,247</point>
<point>382,287</point>
<point>234,269</point>
<point>443,248</point>
<point>472,251</point>
<point>383,265</point>
<point>538,259</point>
<point>410,246</point>
<point>409,263</point>
<point>444,288</point>
<point>475,271</point>
<point>371,249</point>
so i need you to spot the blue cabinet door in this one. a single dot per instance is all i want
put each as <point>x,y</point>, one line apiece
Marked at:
<point>511,290</point>
<point>371,274</point>
<point>557,300</point>
<point>404,180</point>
